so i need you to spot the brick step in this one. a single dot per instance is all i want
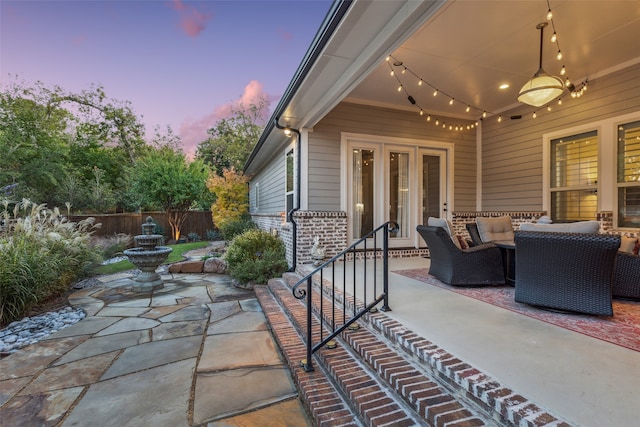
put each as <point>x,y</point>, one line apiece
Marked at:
<point>325,404</point>
<point>401,384</point>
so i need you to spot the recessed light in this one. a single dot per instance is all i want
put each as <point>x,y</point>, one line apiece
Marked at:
<point>504,86</point>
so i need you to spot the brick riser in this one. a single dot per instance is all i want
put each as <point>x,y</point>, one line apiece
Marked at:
<point>498,403</point>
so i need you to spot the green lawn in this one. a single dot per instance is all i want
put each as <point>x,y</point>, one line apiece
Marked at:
<point>174,256</point>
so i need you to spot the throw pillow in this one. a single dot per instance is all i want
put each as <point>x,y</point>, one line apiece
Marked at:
<point>636,249</point>
<point>492,229</point>
<point>463,243</point>
<point>628,244</point>
<point>448,227</point>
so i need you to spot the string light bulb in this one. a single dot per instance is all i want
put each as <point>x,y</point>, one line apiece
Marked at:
<point>554,37</point>
<point>549,15</point>
<point>435,92</point>
<point>535,115</point>
<point>420,82</point>
<point>451,101</point>
<point>499,119</point>
<point>468,108</point>
<point>400,88</point>
<point>563,71</point>
<point>559,55</point>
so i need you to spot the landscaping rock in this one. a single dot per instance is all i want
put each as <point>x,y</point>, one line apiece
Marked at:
<point>187,267</point>
<point>215,265</point>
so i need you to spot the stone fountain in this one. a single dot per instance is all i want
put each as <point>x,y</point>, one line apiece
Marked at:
<point>147,256</point>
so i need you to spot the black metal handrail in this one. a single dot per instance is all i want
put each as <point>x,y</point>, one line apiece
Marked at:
<point>357,250</point>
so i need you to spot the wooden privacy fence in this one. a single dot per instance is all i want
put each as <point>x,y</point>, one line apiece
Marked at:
<point>131,223</point>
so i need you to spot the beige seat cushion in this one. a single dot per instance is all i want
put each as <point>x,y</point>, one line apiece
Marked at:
<point>589,227</point>
<point>492,229</point>
<point>448,227</point>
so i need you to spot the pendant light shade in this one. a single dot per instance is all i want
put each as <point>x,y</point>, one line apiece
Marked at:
<point>542,88</point>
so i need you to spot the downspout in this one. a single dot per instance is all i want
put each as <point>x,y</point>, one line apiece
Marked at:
<point>294,249</point>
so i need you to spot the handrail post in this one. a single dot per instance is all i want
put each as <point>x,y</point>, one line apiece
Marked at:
<point>385,268</point>
<point>308,367</point>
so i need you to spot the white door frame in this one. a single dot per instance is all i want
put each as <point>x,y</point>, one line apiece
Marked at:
<point>382,146</point>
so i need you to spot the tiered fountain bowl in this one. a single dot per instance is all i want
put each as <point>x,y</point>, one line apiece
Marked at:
<point>147,256</point>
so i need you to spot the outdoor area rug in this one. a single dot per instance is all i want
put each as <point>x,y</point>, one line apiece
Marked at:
<point>622,329</point>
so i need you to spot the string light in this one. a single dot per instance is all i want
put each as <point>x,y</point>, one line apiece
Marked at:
<point>451,101</point>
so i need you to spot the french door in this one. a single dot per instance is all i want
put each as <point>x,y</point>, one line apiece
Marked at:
<point>390,182</point>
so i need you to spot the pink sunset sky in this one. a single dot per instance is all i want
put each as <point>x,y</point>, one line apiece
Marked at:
<point>179,63</point>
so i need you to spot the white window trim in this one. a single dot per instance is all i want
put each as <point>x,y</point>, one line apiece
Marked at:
<point>290,147</point>
<point>607,187</point>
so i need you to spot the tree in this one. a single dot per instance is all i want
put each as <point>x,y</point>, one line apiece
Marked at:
<point>164,179</point>
<point>232,196</point>
<point>53,142</point>
<point>232,139</point>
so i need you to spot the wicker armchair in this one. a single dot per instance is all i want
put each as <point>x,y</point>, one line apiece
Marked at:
<point>478,265</point>
<point>626,277</point>
<point>566,271</point>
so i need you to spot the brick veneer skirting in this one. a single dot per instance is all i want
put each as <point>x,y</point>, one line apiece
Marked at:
<point>331,228</point>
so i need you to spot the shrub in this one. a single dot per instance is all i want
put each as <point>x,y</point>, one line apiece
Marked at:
<point>214,235</point>
<point>193,237</point>
<point>231,229</point>
<point>256,256</point>
<point>41,255</point>
<point>111,246</point>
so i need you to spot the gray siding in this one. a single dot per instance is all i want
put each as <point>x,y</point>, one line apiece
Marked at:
<point>512,151</point>
<point>324,150</point>
<point>271,187</point>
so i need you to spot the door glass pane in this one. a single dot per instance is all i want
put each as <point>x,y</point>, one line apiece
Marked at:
<point>362,192</point>
<point>430,187</point>
<point>399,192</point>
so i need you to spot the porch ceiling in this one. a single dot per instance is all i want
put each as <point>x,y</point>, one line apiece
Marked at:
<point>469,48</point>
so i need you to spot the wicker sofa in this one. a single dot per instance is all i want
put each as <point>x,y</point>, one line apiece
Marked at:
<point>478,265</point>
<point>566,271</point>
<point>626,276</point>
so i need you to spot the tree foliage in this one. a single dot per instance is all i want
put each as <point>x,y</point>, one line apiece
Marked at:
<point>232,196</point>
<point>164,179</point>
<point>232,139</point>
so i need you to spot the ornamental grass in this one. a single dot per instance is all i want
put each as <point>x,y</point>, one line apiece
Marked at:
<point>41,255</point>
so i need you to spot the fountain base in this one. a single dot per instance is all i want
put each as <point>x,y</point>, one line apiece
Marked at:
<point>147,262</point>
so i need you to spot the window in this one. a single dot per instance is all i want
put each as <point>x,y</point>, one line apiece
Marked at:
<point>363,195</point>
<point>628,181</point>
<point>574,177</point>
<point>290,181</point>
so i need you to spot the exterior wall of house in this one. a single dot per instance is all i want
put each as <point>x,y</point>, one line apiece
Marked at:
<point>512,151</point>
<point>266,188</point>
<point>324,149</point>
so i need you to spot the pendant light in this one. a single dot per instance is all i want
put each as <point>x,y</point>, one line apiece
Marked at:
<point>542,88</point>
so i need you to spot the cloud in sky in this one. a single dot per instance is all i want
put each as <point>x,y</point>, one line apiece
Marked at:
<point>193,132</point>
<point>192,20</point>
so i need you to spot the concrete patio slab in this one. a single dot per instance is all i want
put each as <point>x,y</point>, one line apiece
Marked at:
<point>223,393</point>
<point>152,354</point>
<point>155,397</point>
